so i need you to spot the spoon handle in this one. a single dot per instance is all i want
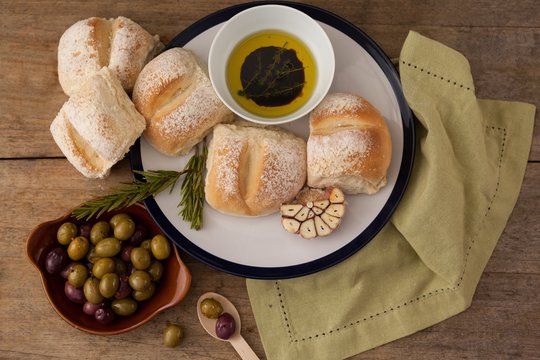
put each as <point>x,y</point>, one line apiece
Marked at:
<point>243,349</point>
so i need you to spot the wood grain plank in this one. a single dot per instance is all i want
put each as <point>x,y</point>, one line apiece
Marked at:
<point>518,248</point>
<point>504,51</point>
<point>480,13</point>
<point>500,324</point>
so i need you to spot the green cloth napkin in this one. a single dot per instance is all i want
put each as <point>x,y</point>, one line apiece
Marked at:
<point>423,267</point>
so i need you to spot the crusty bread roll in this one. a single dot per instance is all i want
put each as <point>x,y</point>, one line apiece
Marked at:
<point>97,125</point>
<point>349,145</point>
<point>175,96</point>
<point>90,44</point>
<point>252,170</point>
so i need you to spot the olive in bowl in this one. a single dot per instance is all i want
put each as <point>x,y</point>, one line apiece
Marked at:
<point>172,287</point>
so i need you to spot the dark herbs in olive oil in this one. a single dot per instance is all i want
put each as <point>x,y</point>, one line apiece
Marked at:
<point>271,74</point>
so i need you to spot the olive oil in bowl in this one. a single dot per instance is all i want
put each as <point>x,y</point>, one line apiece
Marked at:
<point>271,74</point>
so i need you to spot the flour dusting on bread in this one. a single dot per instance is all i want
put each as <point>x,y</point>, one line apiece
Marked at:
<point>340,103</point>
<point>252,170</point>
<point>334,154</point>
<point>349,145</point>
<point>90,44</point>
<point>175,96</point>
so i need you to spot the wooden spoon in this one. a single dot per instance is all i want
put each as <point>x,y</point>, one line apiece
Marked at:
<point>236,339</point>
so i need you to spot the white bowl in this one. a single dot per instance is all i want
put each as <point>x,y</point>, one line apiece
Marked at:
<point>276,18</point>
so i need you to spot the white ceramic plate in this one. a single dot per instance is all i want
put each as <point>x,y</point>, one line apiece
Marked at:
<point>260,247</point>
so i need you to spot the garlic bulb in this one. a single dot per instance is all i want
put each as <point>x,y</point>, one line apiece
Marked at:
<point>314,212</point>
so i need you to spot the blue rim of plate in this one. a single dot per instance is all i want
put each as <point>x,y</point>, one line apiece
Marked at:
<point>380,220</point>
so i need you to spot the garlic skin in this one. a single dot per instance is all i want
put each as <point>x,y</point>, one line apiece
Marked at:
<point>314,212</point>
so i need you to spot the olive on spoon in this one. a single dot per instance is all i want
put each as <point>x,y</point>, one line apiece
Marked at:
<point>237,341</point>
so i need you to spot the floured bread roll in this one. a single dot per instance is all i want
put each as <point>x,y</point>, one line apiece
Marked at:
<point>97,125</point>
<point>349,145</point>
<point>252,170</point>
<point>175,96</point>
<point>90,44</point>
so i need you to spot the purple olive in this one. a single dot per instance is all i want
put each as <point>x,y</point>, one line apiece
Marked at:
<point>225,326</point>
<point>140,233</point>
<point>104,315</point>
<point>90,309</point>
<point>125,253</point>
<point>74,294</point>
<point>124,290</point>
<point>130,269</point>
<point>56,260</point>
<point>67,269</point>
<point>84,230</point>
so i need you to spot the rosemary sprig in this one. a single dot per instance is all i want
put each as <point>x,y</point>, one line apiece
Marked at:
<point>155,181</point>
<point>192,189</point>
<point>129,193</point>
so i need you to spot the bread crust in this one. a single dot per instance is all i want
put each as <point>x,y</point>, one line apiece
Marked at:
<point>252,170</point>
<point>178,102</point>
<point>90,44</point>
<point>95,128</point>
<point>349,145</point>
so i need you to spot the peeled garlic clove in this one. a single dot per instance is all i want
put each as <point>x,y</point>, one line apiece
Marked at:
<point>291,209</point>
<point>307,229</point>
<point>336,196</point>
<point>302,214</point>
<point>330,220</point>
<point>336,210</point>
<point>317,211</point>
<point>311,214</point>
<point>291,225</point>
<point>321,227</point>
<point>323,204</point>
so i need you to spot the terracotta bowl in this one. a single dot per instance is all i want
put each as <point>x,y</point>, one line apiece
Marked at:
<point>171,289</point>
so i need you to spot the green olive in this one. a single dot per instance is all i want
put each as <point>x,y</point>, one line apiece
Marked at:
<point>139,280</point>
<point>124,229</point>
<point>160,247</point>
<point>120,267</point>
<point>66,232</point>
<point>124,307</point>
<point>172,335</point>
<point>211,308</point>
<point>77,275</point>
<point>109,284</point>
<point>108,247</point>
<point>91,291</point>
<point>78,247</point>
<point>141,295</point>
<point>91,256</point>
<point>155,270</point>
<point>117,218</point>
<point>140,258</point>
<point>146,244</point>
<point>103,266</point>
<point>99,231</point>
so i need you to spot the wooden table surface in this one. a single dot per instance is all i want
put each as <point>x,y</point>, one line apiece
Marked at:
<point>500,38</point>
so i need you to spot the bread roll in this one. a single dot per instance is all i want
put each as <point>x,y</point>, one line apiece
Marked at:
<point>349,145</point>
<point>97,125</point>
<point>252,170</point>
<point>178,102</point>
<point>90,44</point>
